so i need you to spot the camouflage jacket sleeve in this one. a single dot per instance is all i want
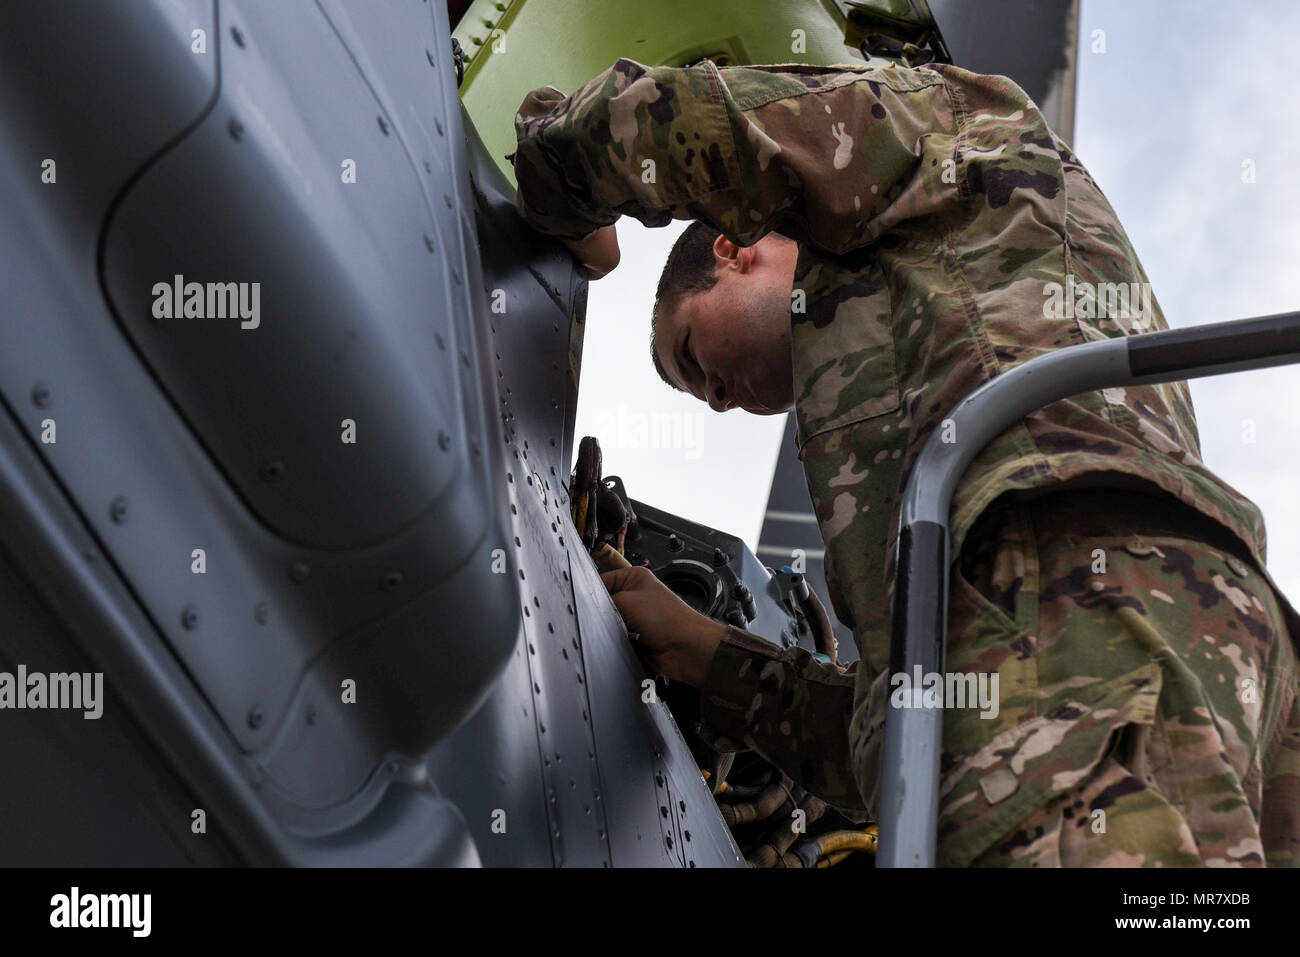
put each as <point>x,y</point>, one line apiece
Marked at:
<point>748,150</point>
<point>787,706</point>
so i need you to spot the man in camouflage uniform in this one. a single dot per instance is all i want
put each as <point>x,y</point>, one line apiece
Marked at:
<point>1148,712</point>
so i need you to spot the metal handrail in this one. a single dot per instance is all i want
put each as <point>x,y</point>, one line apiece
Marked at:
<point>909,789</point>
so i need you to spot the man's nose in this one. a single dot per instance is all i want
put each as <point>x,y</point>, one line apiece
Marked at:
<point>717,396</point>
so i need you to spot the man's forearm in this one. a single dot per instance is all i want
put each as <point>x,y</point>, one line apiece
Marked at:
<point>660,143</point>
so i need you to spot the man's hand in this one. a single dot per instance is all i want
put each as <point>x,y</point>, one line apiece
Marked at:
<point>598,254</point>
<point>678,641</point>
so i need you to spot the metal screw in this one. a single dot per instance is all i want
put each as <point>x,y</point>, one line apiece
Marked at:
<point>719,557</point>
<point>675,544</point>
<point>271,471</point>
<point>392,581</point>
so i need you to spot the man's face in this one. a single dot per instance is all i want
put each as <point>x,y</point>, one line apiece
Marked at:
<point>730,346</point>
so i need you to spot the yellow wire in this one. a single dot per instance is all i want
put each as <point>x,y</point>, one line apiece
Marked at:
<point>835,858</point>
<point>863,840</point>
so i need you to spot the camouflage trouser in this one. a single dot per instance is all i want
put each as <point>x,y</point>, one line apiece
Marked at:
<point>1211,774</point>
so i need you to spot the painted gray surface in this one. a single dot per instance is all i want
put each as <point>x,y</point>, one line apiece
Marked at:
<point>1031,41</point>
<point>608,779</point>
<point>326,561</point>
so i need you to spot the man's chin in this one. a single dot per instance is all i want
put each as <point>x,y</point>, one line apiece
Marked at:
<point>757,409</point>
<point>755,406</point>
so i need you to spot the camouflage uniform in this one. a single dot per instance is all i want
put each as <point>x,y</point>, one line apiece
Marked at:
<point>933,209</point>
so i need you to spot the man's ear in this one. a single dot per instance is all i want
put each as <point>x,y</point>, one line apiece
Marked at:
<point>728,255</point>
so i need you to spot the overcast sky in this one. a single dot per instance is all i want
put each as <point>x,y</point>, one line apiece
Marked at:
<point>1186,92</point>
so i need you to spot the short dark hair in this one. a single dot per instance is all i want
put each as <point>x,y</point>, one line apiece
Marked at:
<point>690,269</point>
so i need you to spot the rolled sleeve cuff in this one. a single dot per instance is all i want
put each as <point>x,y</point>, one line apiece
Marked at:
<point>730,689</point>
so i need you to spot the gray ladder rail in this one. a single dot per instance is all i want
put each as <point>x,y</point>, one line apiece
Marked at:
<point>909,789</point>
